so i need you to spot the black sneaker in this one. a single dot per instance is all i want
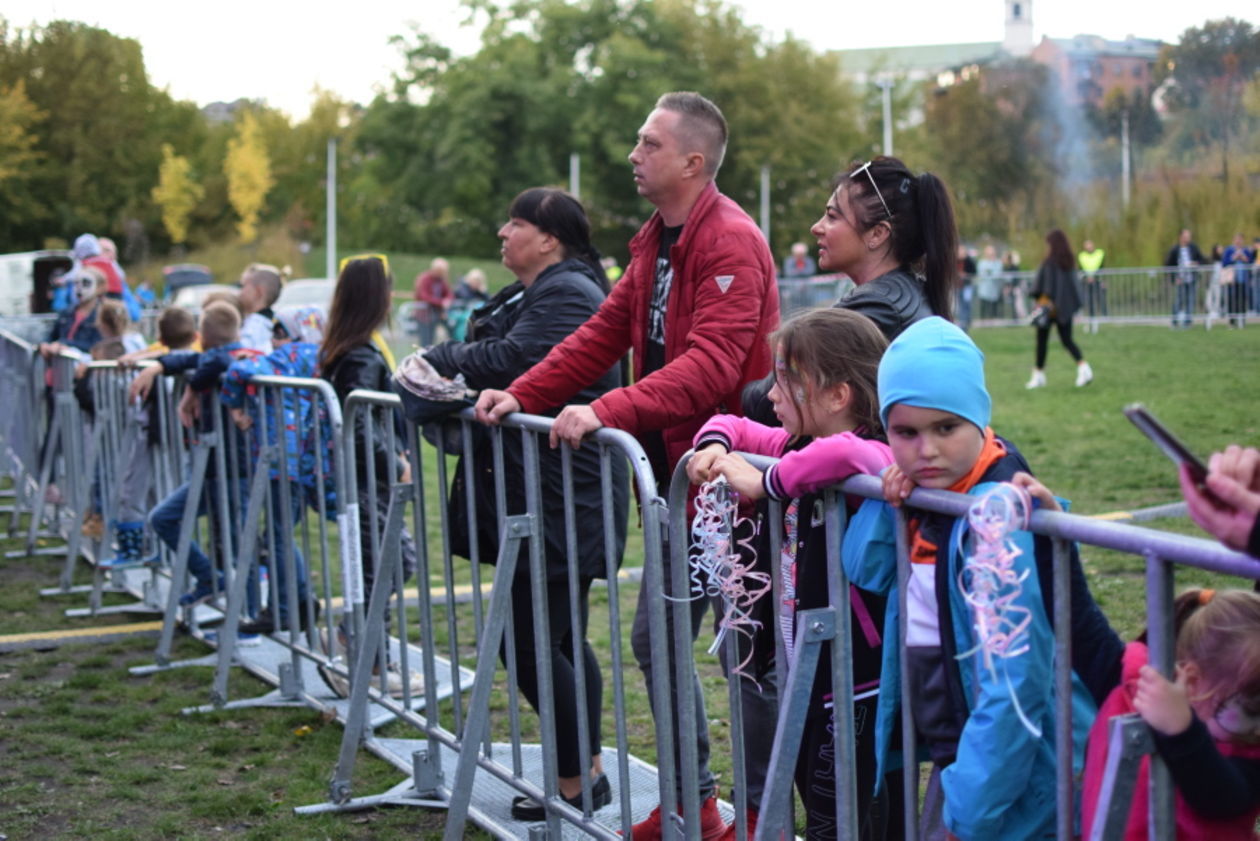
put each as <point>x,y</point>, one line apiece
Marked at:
<point>529,809</point>
<point>264,624</point>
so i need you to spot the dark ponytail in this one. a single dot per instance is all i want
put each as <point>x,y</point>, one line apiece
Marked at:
<point>940,244</point>
<point>920,215</point>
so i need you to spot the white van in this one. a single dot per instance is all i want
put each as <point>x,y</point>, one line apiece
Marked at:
<point>25,280</point>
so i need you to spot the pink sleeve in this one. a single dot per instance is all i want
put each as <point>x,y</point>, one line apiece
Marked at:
<point>743,435</point>
<point>825,461</point>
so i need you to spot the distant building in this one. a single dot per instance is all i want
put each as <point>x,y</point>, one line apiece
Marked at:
<point>1088,67</point>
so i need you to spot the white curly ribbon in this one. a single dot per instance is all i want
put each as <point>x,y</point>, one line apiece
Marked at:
<point>991,585</point>
<point>717,568</point>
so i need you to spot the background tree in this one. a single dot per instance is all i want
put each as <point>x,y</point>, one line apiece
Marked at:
<point>19,155</point>
<point>248,170</point>
<point>176,193</point>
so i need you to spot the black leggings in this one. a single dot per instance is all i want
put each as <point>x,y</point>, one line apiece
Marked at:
<point>563,672</point>
<point>816,774</point>
<point>1065,336</point>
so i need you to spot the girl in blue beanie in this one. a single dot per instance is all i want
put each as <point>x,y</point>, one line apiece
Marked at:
<point>988,730</point>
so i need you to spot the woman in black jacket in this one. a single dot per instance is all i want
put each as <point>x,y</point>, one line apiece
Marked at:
<point>560,284</point>
<point>1058,294</point>
<point>353,356</point>
<point>893,233</point>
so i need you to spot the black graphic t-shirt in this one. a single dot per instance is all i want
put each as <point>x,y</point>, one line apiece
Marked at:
<point>654,349</point>
<point>654,352</point>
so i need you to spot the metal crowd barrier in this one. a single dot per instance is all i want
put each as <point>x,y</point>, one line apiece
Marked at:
<point>1162,551</point>
<point>1143,295</point>
<point>22,429</point>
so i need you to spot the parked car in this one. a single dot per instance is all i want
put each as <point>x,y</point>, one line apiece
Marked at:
<point>307,291</point>
<point>193,297</point>
<point>180,275</point>
<point>26,280</point>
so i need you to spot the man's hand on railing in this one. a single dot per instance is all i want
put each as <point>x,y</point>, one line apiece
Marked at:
<point>493,404</point>
<point>1228,503</point>
<point>573,424</point>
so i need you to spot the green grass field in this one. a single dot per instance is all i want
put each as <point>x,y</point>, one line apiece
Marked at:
<point>92,752</point>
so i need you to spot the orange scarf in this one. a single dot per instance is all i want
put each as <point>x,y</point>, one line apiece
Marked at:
<point>923,551</point>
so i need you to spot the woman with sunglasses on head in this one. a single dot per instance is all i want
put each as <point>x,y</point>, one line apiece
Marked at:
<point>559,285</point>
<point>354,355</point>
<point>893,233</point>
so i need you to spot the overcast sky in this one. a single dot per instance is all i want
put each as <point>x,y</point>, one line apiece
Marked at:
<point>279,52</point>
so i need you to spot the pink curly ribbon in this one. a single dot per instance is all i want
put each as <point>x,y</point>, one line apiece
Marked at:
<point>717,568</point>
<point>991,585</point>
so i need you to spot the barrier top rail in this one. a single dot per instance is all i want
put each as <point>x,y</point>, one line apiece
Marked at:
<point>533,423</point>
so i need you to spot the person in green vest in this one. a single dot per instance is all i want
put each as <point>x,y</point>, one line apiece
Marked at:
<point>1091,260</point>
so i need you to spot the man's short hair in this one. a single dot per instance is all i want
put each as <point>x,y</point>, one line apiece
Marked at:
<point>177,329</point>
<point>703,128</point>
<point>269,279</point>
<point>220,325</point>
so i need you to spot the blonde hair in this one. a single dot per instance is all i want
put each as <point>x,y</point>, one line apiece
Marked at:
<point>1219,631</point>
<point>220,324</point>
<point>228,296</point>
<point>112,317</point>
<point>269,279</point>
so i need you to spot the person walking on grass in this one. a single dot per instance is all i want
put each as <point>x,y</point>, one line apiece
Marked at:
<point>1058,294</point>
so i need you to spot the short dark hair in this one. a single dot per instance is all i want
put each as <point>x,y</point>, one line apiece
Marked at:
<point>703,126</point>
<point>177,328</point>
<point>269,279</point>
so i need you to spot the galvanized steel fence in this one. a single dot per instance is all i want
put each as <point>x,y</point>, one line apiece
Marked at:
<point>391,652</point>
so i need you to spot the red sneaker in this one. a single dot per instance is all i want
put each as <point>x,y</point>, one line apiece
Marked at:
<point>730,835</point>
<point>712,827</point>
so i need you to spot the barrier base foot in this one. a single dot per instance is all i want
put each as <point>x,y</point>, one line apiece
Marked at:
<point>78,589</point>
<point>42,551</point>
<point>208,660</point>
<point>274,698</point>
<point>403,794</point>
<point>135,607</point>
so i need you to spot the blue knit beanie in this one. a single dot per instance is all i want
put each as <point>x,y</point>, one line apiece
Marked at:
<point>935,365</point>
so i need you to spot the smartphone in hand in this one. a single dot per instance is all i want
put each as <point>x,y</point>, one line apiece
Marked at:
<point>1166,441</point>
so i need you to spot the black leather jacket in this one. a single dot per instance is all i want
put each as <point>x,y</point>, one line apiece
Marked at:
<point>893,301</point>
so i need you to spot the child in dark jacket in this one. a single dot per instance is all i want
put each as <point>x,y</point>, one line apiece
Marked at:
<point>825,397</point>
<point>220,337</point>
<point>295,339</point>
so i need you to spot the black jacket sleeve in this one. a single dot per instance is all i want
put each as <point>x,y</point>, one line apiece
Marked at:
<point>1216,787</point>
<point>177,362</point>
<point>549,311</point>
<point>364,367</point>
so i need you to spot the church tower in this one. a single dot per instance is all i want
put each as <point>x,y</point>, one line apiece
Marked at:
<point>1018,40</point>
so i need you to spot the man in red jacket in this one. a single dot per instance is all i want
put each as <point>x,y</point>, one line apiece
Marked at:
<point>695,305</point>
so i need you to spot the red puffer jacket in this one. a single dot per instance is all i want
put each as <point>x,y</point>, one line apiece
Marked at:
<point>722,305</point>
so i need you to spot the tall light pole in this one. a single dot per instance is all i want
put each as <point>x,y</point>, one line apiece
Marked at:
<point>886,85</point>
<point>330,213</point>
<point>575,175</point>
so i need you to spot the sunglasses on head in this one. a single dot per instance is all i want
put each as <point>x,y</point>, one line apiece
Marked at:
<point>866,167</point>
